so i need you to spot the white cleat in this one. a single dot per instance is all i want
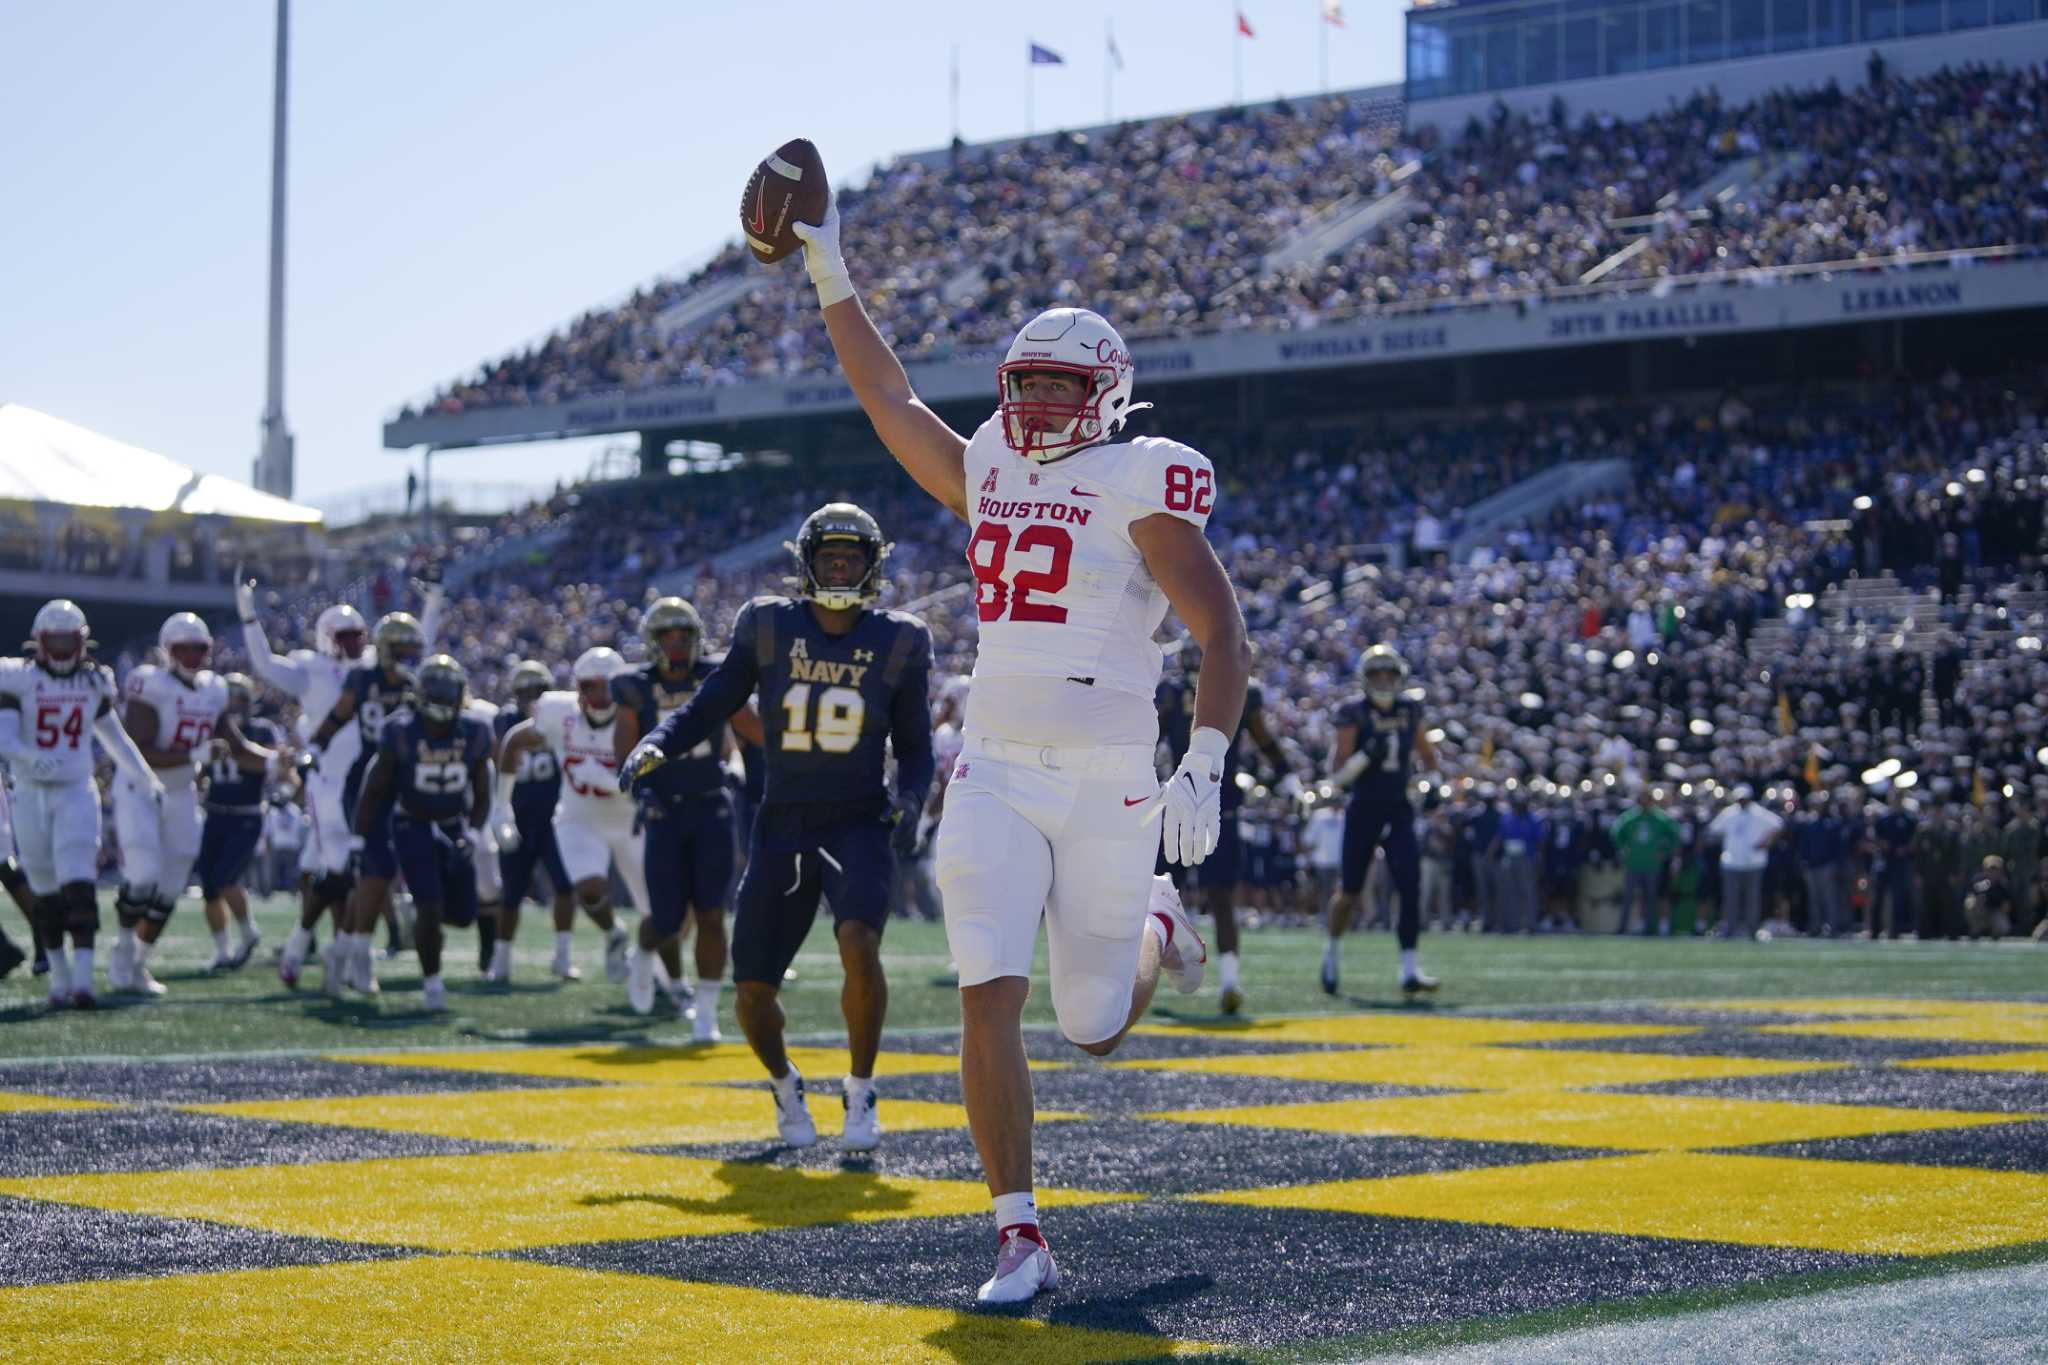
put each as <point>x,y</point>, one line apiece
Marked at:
<point>362,973</point>
<point>60,986</point>
<point>564,969</point>
<point>121,966</point>
<point>686,1005</point>
<point>615,956</point>
<point>147,984</point>
<point>245,950</point>
<point>863,1129</point>
<point>1023,1267</point>
<point>289,965</point>
<point>704,1027</point>
<point>640,982</point>
<point>434,996</point>
<point>793,1118</point>
<point>1185,956</point>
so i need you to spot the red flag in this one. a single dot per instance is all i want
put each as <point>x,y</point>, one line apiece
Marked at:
<point>1244,25</point>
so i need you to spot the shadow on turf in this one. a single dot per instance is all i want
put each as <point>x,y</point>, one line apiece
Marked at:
<point>770,1196</point>
<point>1128,1312</point>
<point>1413,1004</point>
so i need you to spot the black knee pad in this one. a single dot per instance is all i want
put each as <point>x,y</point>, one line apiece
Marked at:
<point>159,909</point>
<point>129,908</point>
<point>81,908</point>
<point>333,887</point>
<point>47,915</point>
<point>11,878</point>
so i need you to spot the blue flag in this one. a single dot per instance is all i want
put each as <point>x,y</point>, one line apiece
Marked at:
<point>1045,56</point>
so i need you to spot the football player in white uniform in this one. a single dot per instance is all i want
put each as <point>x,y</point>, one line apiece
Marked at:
<point>52,706</point>
<point>315,678</point>
<point>1079,542</point>
<point>594,825</point>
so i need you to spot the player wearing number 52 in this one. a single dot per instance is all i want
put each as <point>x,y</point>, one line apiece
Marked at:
<point>1080,537</point>
<point>429,783</point>
<point>838,680</point>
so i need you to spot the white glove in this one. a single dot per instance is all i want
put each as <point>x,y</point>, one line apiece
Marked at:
<point>822,257</point>
<point>1354,768</point>
<point>1190,805</point>
<point>245,597</point>
<point>507,830</point>
<point>45,768</point>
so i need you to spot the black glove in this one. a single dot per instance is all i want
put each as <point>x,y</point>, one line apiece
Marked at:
<point>904,818</point>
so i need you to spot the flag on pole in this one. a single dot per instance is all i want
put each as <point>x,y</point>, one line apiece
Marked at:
<point>1045,56</point>
<point>1244,25</point>
<point>1116,58</point>
<point>1333,12</point>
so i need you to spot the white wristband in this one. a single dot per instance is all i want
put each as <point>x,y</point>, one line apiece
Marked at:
<point>834,286</point>
<point>1210,743</point>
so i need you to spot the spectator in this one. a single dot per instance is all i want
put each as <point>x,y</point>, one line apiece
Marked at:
<point>1645,838</point>
<point>1745,831</point>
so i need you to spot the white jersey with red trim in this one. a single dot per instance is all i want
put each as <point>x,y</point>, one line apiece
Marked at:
<point>590,769</point>
<point>1061,590</point>
<point>57,713</point>
<point>322,677</point>
<point>186,713</point>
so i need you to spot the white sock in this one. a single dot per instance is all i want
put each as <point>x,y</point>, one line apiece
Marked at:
<point>563,938</point>
<point>785,1086</point>
<point>143,953</point>
<point>501,957</point>
<point>220,942</point>
<point>431,981</point>
<point>707,998</point>
<point>81,969</point>
<point>60,971</point>
<point>1013,1210</point>
<point>249,932</point>
<point>1330,949</point>
<point>857,1088</point>
<point>1410,968</point>
<point>1226,971</point>
<point>126,938</point>
<point>615,933</point>
<point>296,941</point>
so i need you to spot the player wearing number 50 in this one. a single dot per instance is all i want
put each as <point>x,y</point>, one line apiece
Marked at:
<point>52,706</point>
<point>428,784</point>
<point>1079,541</point>
<point>838,678</point>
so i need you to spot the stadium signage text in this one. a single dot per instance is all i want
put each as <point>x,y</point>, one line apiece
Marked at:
<point>967,377</point>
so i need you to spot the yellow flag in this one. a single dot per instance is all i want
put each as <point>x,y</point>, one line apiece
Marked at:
<point>1977,787</point>
<point>1813,769</point>
<point>1486,752</point>
<point>1785,726</point>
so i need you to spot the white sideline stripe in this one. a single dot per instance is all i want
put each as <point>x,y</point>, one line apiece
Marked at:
<point>1979,1315</point>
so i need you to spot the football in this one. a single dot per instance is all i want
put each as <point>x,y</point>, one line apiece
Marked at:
<point>788,186</point>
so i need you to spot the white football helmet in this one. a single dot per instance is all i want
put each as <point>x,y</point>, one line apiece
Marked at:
<point>1068,341</point>
<point>185,631</point>
<point>594,671</point>
<point>57,620</point>
<point>339,621</point>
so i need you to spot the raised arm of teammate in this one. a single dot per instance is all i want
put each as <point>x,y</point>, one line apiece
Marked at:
<point>286,675</point>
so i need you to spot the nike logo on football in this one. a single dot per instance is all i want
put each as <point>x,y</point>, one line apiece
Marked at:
<point>761,209</point>
<point>1136,800</point>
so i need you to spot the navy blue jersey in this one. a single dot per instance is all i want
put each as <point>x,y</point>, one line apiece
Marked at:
<point>830,704</point>
<point>1176,703</point>
<point>230,786</point>
<point>378,699</point>
<point>430,773</point>
<point>537,786</point>
<point>698,770</point>
<point>1387,739</point>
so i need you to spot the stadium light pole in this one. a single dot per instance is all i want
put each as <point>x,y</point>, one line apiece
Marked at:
<point>274,464</point>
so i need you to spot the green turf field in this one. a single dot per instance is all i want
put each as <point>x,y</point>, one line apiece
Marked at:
<point>1583,1148</point>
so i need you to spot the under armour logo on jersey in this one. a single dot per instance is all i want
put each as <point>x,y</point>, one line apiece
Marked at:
<point>988,485</point>
<point>863,656</point>
<point>798,649</point>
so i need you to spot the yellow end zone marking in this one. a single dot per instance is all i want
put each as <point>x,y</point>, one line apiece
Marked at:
<point>1408,1030</point>
<point>20,1102</point>
<point>590,1117</point>
<point>1992,1061</point>
<point>536,1312</point>
<point>507,1200</point>
<point>1589,1119</point>
<point>649,1065</point>
<point>1854,1206</point>
<point>1484,1068</point>
<point>1961,1028</point>
<point>1870,1004</point>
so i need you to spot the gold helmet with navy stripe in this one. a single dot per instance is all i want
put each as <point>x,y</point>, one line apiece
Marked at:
<point>241,693</point>
<point>530,678</point>
<point>1383,671</point>
<point>439,689</point>
<point>839,522</point>
<point>399,641</point>
<point>672,614</point>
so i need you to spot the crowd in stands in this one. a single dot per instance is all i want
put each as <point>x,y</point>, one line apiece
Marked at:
<point>1161,225</point>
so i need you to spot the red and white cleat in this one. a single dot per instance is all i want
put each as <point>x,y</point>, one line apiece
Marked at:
<point>1024,1266</point>
<point>1186,951</point>
<point>83,1000</point>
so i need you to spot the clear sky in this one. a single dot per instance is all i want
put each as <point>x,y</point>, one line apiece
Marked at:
<point>465,174</point>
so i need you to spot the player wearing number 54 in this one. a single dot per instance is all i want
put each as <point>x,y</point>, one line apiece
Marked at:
<point>839,681</point>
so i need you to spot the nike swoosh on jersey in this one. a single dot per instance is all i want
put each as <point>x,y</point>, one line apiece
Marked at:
<point>1136,800</point>
<point>1079,494</point>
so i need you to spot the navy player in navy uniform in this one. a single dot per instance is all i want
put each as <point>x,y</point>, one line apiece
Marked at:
<point>839,681</point>
<point>371,695</point>
<point>1219,875</point>
<point>1379,737</point>
<point>686,807</point>
<point>235,781</point>
<point>429,785</point>
<point>536,789</point>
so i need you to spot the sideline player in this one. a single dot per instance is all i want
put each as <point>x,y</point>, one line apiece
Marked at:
<point>838,679</point>
<point>315,678</point>
<point>172,713</point>
<point>371,695</point>
<point>1379,737</point>
<point>53,704</point>
<point>1079,541</point>
<point>593,826</point>
<point>1222,871</point>
<point>524,818</point>
<point>427,788</point>
<point>686,806</point>
<point>246,754</point>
